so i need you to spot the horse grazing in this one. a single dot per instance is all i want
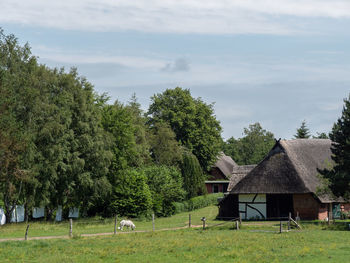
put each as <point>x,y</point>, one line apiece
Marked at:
<point>127,223</point>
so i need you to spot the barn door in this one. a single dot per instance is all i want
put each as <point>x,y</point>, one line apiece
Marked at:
<point>336,210</point>
<point>279,205</point>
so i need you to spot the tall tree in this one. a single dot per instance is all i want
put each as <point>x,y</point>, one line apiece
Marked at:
<point>339,176</point>
<point>60,142</point>
<point>140,131</point>
<point>193,176</point>
<point>251,148</point>
<point>302,132</point>
<point>192,121</point>
<point>17,100</point>
<point>164,147</point>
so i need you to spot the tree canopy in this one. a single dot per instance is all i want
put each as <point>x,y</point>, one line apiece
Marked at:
<point>252,147</point>
<point>192,120</point>
<point>302,132</point>
<point>339,176</point>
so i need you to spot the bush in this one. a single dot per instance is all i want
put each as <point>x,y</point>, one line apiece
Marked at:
<point>165,184</point>
<point>131,195</point>
<point>197,202</point>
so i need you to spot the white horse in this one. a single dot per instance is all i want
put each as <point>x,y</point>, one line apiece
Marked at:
<point>127,223</point>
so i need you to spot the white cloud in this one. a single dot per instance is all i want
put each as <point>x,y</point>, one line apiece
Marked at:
<point>181,16</point>
<point>179,64</point>
<point>63,57</point>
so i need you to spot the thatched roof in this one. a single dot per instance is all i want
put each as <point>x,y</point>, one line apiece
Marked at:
<point>238,173</point>
<point>225,164</point>
<point>290,167</point>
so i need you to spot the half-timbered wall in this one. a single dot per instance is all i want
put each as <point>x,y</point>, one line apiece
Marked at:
<point>252,206</point>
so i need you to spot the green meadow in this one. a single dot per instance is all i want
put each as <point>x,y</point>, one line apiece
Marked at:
<point>254,242</point>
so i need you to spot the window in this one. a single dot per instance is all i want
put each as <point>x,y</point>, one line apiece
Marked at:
<point>215,188</point>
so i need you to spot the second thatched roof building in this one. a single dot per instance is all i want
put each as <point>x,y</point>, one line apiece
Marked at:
<point>286,181</point>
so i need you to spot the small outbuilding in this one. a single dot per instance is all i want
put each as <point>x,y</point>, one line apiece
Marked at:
<point>286,181</point>
<point>220,173</point>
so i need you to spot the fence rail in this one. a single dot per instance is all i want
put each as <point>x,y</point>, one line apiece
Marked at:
<point>110,226</point>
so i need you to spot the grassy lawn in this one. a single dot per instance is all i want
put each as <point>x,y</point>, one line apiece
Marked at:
<point>254,242</point>
<point>187,245</point>
<point>93,225</point>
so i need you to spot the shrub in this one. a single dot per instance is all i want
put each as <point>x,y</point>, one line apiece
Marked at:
<point>165,184</point>
<point>197,202</point>
<point>131,196</point>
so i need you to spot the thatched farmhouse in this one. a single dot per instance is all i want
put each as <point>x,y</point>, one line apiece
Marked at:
<point>219,174</point>
<point>287,180</point>
<point>224,174</point>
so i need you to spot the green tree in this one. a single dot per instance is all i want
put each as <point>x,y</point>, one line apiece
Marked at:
<point>321,135</point>
<point>192,121</point>
<point>165,184</point>
<point>117,120</point>
<point>193,176</point>
<point>17,100</point>
<point>61,145</point>
<point>164,147</point>
<point>339,176</point>
<point>302,132</point>
<point>131,195</point>
<point>141,131</point>
<point>251,148</point>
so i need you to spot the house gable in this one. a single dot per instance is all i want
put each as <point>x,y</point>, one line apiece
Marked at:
<point>274,175</point>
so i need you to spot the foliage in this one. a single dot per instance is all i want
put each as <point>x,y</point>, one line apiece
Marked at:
<point>17,101</point>
<point>117,121</point>
<point>251,148</point>
<point>164,147</point>
<point>321,135</point>
<point>165,184</point>
<point>141,132</point>
<point>131,195</point>
<point>61,144</point>
<point>302,132</point>
<point>193,176</point>
<point>192,121</point>
<point>339,176</point>
<point>197,202</point>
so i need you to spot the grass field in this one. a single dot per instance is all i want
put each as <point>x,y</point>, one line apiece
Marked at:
<point>94,225</point>
<point>255,242</point>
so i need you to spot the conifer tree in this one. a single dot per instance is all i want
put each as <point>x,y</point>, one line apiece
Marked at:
<point>339,176</point>
<point>193,176</point>
<point>302,132</point>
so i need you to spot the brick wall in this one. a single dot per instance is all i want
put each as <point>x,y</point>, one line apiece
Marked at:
<point>306,205</point>
<point>323,212</point>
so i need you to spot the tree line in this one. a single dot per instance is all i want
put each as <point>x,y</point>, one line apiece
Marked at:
<point>62,144</point>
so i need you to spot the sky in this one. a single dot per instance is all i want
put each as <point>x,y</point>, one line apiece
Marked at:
<point>276,62</point>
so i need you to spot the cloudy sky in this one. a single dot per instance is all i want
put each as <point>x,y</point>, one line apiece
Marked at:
<point>277,62</point>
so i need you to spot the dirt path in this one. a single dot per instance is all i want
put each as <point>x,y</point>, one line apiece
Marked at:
<point>91,235</point>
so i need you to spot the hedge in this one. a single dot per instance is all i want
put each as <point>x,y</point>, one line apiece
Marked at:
<point>197,202</point>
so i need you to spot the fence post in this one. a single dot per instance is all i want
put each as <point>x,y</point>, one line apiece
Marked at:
<point>297,218</point>
<point>240,219</point>
<point>189,220</point>
<point>153,222</point>
<point>115,224</point>
<point>289,217</point>
<point>26,234</point>
<point>237,225</point>
<point>280,226</point>
<point>70,227</point>
<point>203,219</point>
